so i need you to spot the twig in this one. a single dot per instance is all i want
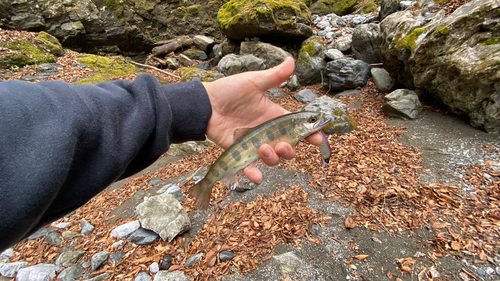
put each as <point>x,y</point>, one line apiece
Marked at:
<point>472,275</point>
<point>155,68</point>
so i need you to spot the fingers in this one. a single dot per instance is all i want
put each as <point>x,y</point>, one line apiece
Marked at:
<point>273,77</point>
<point>253,174</point>
<point>315,139</point>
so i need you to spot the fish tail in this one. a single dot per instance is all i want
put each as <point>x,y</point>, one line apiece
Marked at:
<point>201,191</point>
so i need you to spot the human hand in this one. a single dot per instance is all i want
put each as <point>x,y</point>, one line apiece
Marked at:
<point>238,101</point>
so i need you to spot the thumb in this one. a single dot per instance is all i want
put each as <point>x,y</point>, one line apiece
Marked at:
<point>273,77</point>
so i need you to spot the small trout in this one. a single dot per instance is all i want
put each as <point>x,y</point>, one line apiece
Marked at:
<point>244,151</point>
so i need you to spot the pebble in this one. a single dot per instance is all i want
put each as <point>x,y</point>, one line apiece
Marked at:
<point>100,277</point>
<point>87,228</point>
<point>306,96</point>
<point>39,272</point>
<point>142,276</point>
<point>63,225</point>
<point>167,262</point>
<point>154,268</point>
<point>481,272</point>
<point>98,259</point>
<point>125,230</point>
<point>69,258</point>
<point>53,238</point>
<point>497,270</point>
<point>10,269</point>
<point>69,234</point>
<point>490,271</point>
<point>41,233</point>
<point>117,244</point>
<point>154,181</point>
<point>225,256</point>
<point>116,257</point>
<point>194,259</point>
<point>144,236</point>
<point>71,273</point>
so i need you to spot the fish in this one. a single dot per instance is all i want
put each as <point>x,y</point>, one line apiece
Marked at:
<point>244,151</point>
<point>325,150</point>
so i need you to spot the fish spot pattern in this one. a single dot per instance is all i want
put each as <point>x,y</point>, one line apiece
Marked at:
<point>223,165</point>
<point>236,155</point>
<point>244,146</point>
<point>215,173</point>
<point>282,129</point>
<point>270,136</point>
<point>255,142</point>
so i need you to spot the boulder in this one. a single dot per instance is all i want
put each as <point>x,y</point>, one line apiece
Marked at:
<point>343,43</point>
<point>453,59</point>
<point>197,74</point>
<point>271,55</point>
<point>311,61</point>
<point>346,73</point>
<point>382,79</point>
<point>388,7</point>
<point>265,18</point>
<point>365,42</point>
<point>339,7</point>
<point>164,215</point>
<point>402,103</point>
<point>337,111</point>
<point>306,96</point>
<point>233,64</point>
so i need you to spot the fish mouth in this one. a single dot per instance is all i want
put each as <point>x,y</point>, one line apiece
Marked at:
<point>324,123</point>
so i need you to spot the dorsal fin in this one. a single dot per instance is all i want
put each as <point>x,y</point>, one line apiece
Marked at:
<point>240,132</point>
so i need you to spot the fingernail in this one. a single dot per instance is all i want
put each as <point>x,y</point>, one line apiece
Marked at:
<point>283,151</point>
<point>266,152</point>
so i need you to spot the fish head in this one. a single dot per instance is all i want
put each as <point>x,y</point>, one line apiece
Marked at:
<point>309,122</point>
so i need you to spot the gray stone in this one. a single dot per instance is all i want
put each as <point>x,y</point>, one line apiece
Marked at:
<point>177,275</point>
<point>225,256</point>
<point>155,181</point>
<point>340,123</point>
<point>164,215</point>
<point>271,55</point>
<point>116,257</point>
<point>142,276</point>
<point>306,96</point>
<point>87,228</point>
<point>143,237</point>
<point>489,270</point>
<point>41,233</point>
<point>154,268</point>
<point>125,230</point>
<point>203,42</point>
<point>184,60</point>
<point>194,259</point>
<point>63,225</point>
<point>343,43</point>
<point>289,263</point>
<point>189,148</point>
<point>100,277</point>
<point>11,268</point>
<point>311,61</point>
<point>39,272</point>
<point>69,234</point>
<point>98,259</point>
<point>71,273</point>
<point>172,63</point>
<point>481,272</point>
<point>196,74</point>
<point>167,262</point>
<point>233,64</point>
<point>365,43</point>
<point>204,66</point>
<point>388,7</point>
<point>69,258</point>
<point>382,79</point>
<point>346,73</point>
<point>53,238</point>
<point>334,54</point>
<point>497,269</point>
<point>7,254</point>
<point>402,103</point>
<point>195,54</point>
<point>293,84</point>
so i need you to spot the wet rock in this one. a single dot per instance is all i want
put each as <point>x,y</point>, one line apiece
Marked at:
<point>143,237</point>
<point>337,111</point>
<point>306,96</point>
<point>71,273</point>
<point>402,103</point>
<point>177,275</point>
<point>310,62</point>
<point>98,259</point>
<point>154,268</point>
<point>194,259</point>
<point>167,262</point>
<point>69,258</point>
<point>100,277</point>
<point>382,79</point>
<point>365,43</point>
<point>289,263</point>
<point>53,238</point>
<point>142,276</point>
<point>39,272</point>
<point>225,256</point>
<point>87,228</point>
<point>164,215</point>
<point>11,268</point>
<point>125,230</point>
<point>271,55</point>
<point>233,64</point>
<point>346,73</point>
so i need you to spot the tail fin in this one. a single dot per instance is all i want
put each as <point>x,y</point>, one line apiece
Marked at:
<point>201,191</point>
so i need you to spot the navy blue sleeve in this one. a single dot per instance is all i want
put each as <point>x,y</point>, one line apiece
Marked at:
<point>61,144</point>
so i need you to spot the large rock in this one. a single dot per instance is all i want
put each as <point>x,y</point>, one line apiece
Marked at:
<point>346,73</point>
<point>365,42</point>
<point>271,55</point>
<point>402,103</point>
<point>339,7</point>
<point>337,111</point>
<point>233,64</point>
<point>311,61</point>
<point>265,18</point>
<point>454,59</point>
<point>39,272</point>
<point>164,215</point>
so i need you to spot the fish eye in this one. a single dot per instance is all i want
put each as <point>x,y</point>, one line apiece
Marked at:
<point>312,119</point>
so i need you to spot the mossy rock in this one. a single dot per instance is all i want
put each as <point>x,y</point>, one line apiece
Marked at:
<point>196,74</point>
<point>108,66</point>
<point>409,41</point>
<point>369,7</point>
<point>247,18</point>
<point>49,43</point>
<point>93,80</point>
<point>23,53</point>
<point>339,7</point>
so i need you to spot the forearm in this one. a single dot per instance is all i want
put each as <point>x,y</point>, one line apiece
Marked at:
<point>62,144</point>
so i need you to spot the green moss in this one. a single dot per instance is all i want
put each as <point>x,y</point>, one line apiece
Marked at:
<point>190,11</point>
<point>339,7</point>
<point>244,11</point>
<point>495,64</point>
<point>144,5</point>
<point>369,7</point>
<point>24,53</point>
<point>93,80</point>
<point>193,73</point>
<point>441,1</point>
<point>310,47</point>
<point>410,41</point>
<point>49,43</point>
<point>344,7</point>
<point>108,66</point>
<point>441,31</point>
<point>491,41</point>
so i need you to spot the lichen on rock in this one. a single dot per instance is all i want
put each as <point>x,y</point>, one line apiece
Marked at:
<point>106,67</point>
